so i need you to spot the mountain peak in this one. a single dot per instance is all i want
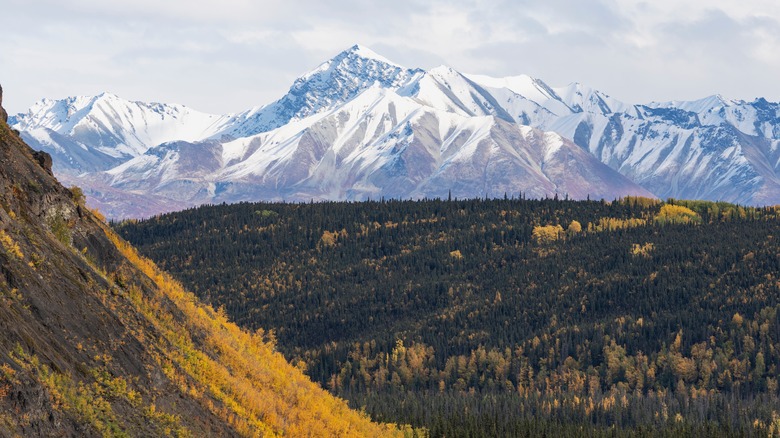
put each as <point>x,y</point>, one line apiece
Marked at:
<point>332,83</point>
<point>442,69</point>
<point>712,103</point>
<point>108,95</point>
<point>354,60</point>
<point>366,53</point>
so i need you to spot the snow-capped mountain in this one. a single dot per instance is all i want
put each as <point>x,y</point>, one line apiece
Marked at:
<point>94,133</point>
<point>714,149</point>
<point>361,126</point>
<point>671,153</point>
<point>378,144</point>
<point>333,83</point>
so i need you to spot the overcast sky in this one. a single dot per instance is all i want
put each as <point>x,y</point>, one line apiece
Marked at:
<point>229,55</point>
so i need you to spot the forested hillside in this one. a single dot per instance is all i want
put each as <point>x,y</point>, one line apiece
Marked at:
<point>95,340</point>
<point>505,317</point>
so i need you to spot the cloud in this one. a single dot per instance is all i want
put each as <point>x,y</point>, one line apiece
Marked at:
<point>230,55</point>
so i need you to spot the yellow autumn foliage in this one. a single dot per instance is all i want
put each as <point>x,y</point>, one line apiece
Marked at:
<point>642,250</point>
<point>330,238</point>
<point>10,246</point>
<point>574,228</point>
<point>676,214</point>
<point>612,224</point>
<point>236,374</point>
<point>547,233</point>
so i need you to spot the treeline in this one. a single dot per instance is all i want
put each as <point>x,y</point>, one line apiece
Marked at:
<point>633,314</point>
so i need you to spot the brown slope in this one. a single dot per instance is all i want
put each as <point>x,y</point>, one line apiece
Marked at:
<point>95,340</point>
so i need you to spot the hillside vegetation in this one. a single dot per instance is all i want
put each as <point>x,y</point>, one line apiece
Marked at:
<point>505,317</point>
<point>97,341</point>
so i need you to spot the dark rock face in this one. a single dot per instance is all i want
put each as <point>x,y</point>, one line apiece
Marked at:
<point>3,114</point>
<point>44,159</point>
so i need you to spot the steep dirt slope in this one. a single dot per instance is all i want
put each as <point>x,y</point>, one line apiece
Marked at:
<point>95,340</point>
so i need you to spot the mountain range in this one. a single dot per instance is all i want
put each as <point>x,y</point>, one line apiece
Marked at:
<point>360,126</point>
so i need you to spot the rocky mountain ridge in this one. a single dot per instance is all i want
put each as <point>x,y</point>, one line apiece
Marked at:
<point>413,133</point>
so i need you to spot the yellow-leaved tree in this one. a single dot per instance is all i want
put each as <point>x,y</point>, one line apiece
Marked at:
<point>677,214</point>
<point>547,233</point>
<point>574,228</point>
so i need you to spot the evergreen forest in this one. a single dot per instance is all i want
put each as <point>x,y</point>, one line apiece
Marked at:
<point>504,317</point>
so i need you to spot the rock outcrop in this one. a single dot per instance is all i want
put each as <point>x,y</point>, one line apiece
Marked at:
<point>44,160</point>
<point>3,114</point>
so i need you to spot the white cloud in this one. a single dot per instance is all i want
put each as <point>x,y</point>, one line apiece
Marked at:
<point>233,54</point>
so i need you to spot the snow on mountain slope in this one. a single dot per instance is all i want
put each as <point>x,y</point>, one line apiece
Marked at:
<point>360,126</point>
<point>105,130</point>
<point>332,83</point>
<point>758,118</point>
<point>581,98</point>
<point>678,153</point>
<point>379,144</point>
<point>713,148</point>
<point>530,88</point>
<point>446,89</point>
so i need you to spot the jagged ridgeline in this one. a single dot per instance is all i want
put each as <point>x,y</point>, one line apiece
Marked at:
<point>505,317</point>
<point>96,340</point>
